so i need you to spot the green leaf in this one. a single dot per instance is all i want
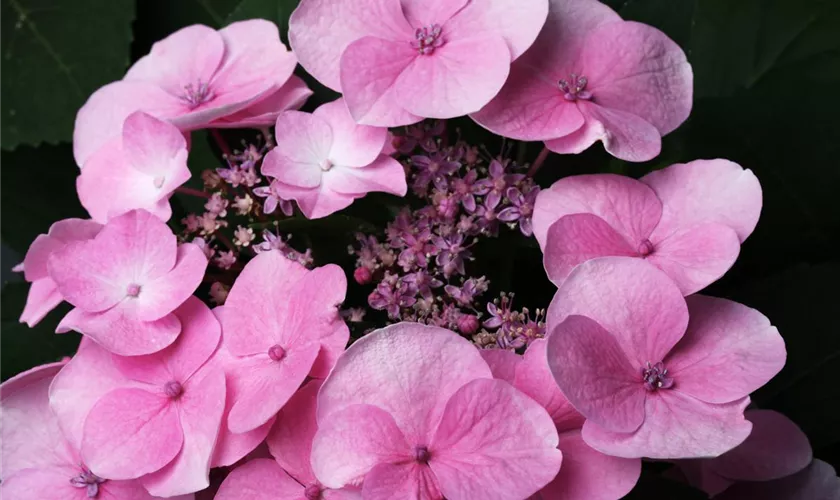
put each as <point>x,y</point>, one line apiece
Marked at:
<point>55,54</point>
<point>277,11</point>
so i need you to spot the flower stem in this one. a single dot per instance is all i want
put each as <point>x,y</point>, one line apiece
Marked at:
<point>538,162</point>
<point>192,192</point>
<point>220,141</point>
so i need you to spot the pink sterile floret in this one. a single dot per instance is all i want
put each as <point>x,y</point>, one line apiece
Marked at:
<point>152,417</point>
<point>39,462</point>
<point>43,294</point>
<point>325,160</point>
<point>126,282</point>
<point>412,411</point>
<point>280,324</point>
<point>399,61</point>
<point>688,220</point>
<point>592,77</point>
<point>650,381</point>
<point>139,169</point>
<point>586,474</point>
<point>193,78</point>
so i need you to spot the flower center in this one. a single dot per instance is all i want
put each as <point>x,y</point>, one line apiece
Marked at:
<point>196,94</point>
<point>326,165</point>
<point>88,480</point>
<point>173,389</point>
<point>158,181</point>
<point>645,248</point>
<point>276,352</point>
<point>574,88</point>
<point>656,377</point>
<point>427,39</point>
<point>421,454</point>
<point>133,290</point>
<point>312,492</point>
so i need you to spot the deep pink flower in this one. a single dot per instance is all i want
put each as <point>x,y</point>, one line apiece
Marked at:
<point>43,295</point>
<point>592,77</point>
<point>325,160</point>
<point>651,382</point>
<point>411,411</point>
<point>126,282</point>
<point>193,78</point>
<point>397,62</point>
<point>688,220</point>
<point>139,169</point>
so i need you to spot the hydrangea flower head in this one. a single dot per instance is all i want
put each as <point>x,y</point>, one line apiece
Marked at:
<point>656,375</point>
<point>688,220</point>
<point>412,411</point>
<point>397,62</point>
<point>126,282</point>
<point>592,77</point>
<point>325,160</point>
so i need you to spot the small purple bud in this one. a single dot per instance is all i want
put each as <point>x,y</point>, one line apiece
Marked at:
<point>362,275</point>
<point>421,454</point>
<point>133,290</point>
<point>173,389</point>
<point>645,248</point>
<point>312,492</point>
<point>276,353</point>
<point>468,324</point>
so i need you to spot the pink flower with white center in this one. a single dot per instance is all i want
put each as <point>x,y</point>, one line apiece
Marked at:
<point>281,324</point>
<point>193,78</point>
<point>655,374</point>
<point>688,220</point>
<point>592,77</point>
<point>399,61</point>
<point>139,169</point>
<point>412,411</point>
<point>154,418</point>
<point>126,282</point>
<point>586,474</point>
<point>289,476</point>
<point>325,160</point>
<point>39,462</point>
<point>43,295</point>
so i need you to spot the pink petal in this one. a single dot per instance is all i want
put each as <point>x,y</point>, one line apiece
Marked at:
<point>291,437</point>
<point>157,149</point>
<point>534,378</point>
<point>354,440</point>
<point>408,370</point>
<point>48,483</point>
<point>593,372</point>
<point>303,143</point>
<point>131,432</point>
<point>315,202</point>
<point>353,145</point>
<point>502,363</point>
<point>487,427</point>
<point>635,302</point>
<point>260,479</point>
<point>162,295</point>
<point>706,191</point>
<point>42,298</point>
<point>517,22</point>
<point>264,113</point>
<point>818,481</point>
<point>61,232</point>
<point>332,346</point>
<point>74,230</point>
<point>407,480</point>
<point>420,13</point>
<point>728,351</point>
<point>128,490</point>
<point>120,331</point>
<point>676,426</point>
<point>384,174</point>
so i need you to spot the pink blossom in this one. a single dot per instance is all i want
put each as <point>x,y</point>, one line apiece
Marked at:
<point>139,169</point>
<point>592,77</point>
<point>688,220</point>
<point>411,411</point>
<point>193,78</point>
<point>152,417</point>
<point>650,381</point>
<point>281,324</point>
<point>126,282</point>
<point>398,62</point>
<point>324,160</point>
<point>43,294</point>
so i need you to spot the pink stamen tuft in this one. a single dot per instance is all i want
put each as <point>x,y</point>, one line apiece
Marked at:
<point>427,39</point>
<point>173,389</point>
<point>276,352</point>
<point>574,88</point>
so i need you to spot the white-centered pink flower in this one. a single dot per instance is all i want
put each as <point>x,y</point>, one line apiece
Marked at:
<point>399,61</point>
<point>325,160</point>
<point>590,76</point>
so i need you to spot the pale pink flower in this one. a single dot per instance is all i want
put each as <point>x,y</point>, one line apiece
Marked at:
<point>139,169</point>
<point>126,282</point>
<point>43,295</point>
<point>650,381</point>
<point>152,417</point>
<point>281,324</point>
<point>688,220</point>
<point>193,78</point>
<point>412,411</point>
<point>243,236</point>
<point>325,160</point>
<point>397,62</point>
<point>592,77</point>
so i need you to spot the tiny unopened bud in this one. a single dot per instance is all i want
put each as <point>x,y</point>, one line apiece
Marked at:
<point>362,275</point>
<point>468,324</point>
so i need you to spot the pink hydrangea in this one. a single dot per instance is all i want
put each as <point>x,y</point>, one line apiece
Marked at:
<point>152,417</point>
<point>688,220</point>
<point>412,411</point>
<point>126,282</point>
<point>193,78</point>
<point>397,62</point>
<point>43,295</point>
<point>592,77</point>
<point>281,324</point>
<point>655,374</point>
<point>325,160</point>
<point>139,169</point>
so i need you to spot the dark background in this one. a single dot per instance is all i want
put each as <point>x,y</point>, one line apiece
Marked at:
<point>767,95</point>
